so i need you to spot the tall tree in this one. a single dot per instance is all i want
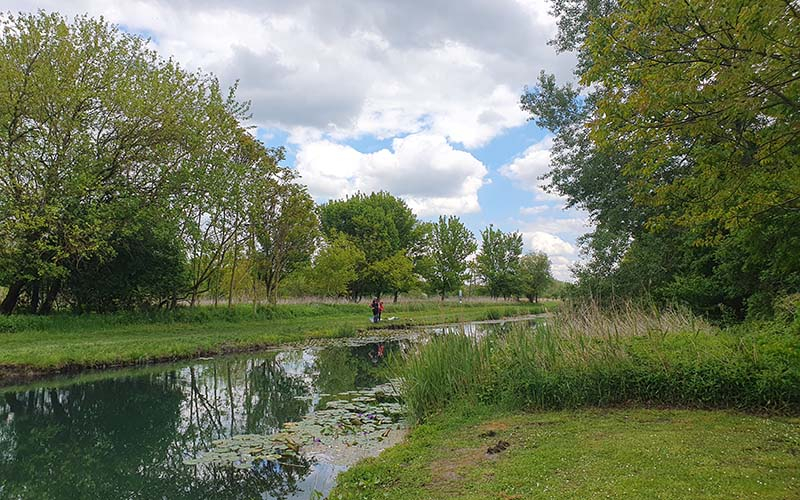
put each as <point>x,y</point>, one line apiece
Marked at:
<point>534,274</point>
<point>94,128</point>
<point>684,150</point>
<point>450,244</point>
<point>384,229</point>
<point>284,227</point>
<point>498,261</point>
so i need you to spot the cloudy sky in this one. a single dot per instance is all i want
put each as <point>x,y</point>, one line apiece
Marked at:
<point>419,98</point>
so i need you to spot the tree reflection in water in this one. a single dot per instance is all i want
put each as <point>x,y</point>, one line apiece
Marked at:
<point>127,437</point>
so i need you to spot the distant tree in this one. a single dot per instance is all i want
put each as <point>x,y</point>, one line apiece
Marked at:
<point>449,245</point>
<point>336,267</point>
<point>498,261</point>
<point>384,229</point>
<point>284,228</point>
<point>534,275</point>
<point>394,274</point>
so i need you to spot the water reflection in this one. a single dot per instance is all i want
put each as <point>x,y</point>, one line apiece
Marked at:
<point>127,436</point>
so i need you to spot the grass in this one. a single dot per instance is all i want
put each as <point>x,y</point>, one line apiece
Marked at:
<point>41,344</point>
<point>591,357</point>
<point>590,453</point>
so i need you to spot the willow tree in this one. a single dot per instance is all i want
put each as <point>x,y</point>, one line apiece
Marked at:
<point>94,128</point>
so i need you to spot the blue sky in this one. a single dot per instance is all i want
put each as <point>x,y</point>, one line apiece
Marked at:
<point>418,98</point>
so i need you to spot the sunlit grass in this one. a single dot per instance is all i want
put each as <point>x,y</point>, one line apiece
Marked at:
<point>617,453</point>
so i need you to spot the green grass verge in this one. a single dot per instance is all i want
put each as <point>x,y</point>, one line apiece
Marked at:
<point>31,344</point>
<point>618,453</point>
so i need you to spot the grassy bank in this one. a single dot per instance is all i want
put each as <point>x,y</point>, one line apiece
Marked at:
<point>620,453</point>
<point>31,345</point>
<point>588,357</point>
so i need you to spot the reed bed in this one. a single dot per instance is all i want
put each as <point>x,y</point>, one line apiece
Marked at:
<point>587,356</point>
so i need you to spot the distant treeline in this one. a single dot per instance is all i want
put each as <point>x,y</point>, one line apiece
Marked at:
<point>128,182</point>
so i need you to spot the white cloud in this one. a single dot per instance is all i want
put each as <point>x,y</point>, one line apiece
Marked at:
<point>550,244</point>
<point>561,253</point>
<point>534,210</point>
<point>349,68</point>
<point>423,169</point>
<point>527,169</point>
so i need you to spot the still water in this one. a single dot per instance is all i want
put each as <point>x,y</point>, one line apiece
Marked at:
<point>127,434</point>
<point>137,433</point>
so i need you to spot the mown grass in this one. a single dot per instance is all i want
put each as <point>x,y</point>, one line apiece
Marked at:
<point>63,341</point>
<point>590,357</point>
<point>592,453</point>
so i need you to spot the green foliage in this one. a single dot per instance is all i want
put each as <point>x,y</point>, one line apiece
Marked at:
<point>95,128</point>
<point>385,230</point>
<point>284,229</point>
<point>498,261</point>
<point>148,266</point>
<point>336,267</point>
<point>445,265</point>
<point>683,150</point>
<point>534,275</point>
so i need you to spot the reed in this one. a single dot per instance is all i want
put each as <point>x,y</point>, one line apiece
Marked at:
<point>587,356</point>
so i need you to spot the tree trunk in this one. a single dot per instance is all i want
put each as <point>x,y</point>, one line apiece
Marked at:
<point>50,298</point>
<point>34,292</point>
<point>12,297</point>
<point>233,276</point>
<point>395,297</point>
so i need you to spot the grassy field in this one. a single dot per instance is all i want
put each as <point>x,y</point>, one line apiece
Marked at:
<point>591,453</point>
<point>31,345</point>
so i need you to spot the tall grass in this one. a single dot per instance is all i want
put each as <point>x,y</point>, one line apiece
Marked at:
<point>588,356</point>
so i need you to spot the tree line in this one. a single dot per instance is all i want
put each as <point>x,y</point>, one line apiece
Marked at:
<point>681,141</point>
<point>128,182</point>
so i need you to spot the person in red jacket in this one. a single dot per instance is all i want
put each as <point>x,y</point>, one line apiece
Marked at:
<point>380,309</point>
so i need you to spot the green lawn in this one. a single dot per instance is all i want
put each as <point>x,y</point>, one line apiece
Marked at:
<point>30,344</point>
<point>616,453</point>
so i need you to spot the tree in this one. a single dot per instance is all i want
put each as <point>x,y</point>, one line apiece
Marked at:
<point>284,228</point>
<point>94,129</point>
<point>534,274</point>
<point>336,267</point>
<point>498,261</point>
<point>684,150</point>
<point>384,229</point>
<point>445,266</point>
<point>148,266</point>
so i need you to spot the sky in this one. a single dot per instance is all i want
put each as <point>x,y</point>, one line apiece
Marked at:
<point>418,98</point>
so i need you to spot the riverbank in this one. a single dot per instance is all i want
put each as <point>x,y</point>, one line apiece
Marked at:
<point>622,402</point>
<point>35,346</point>
<point>475,452</point>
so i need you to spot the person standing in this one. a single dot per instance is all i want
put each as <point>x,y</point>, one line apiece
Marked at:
<point>380,309</point>
<point>376,311</point>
